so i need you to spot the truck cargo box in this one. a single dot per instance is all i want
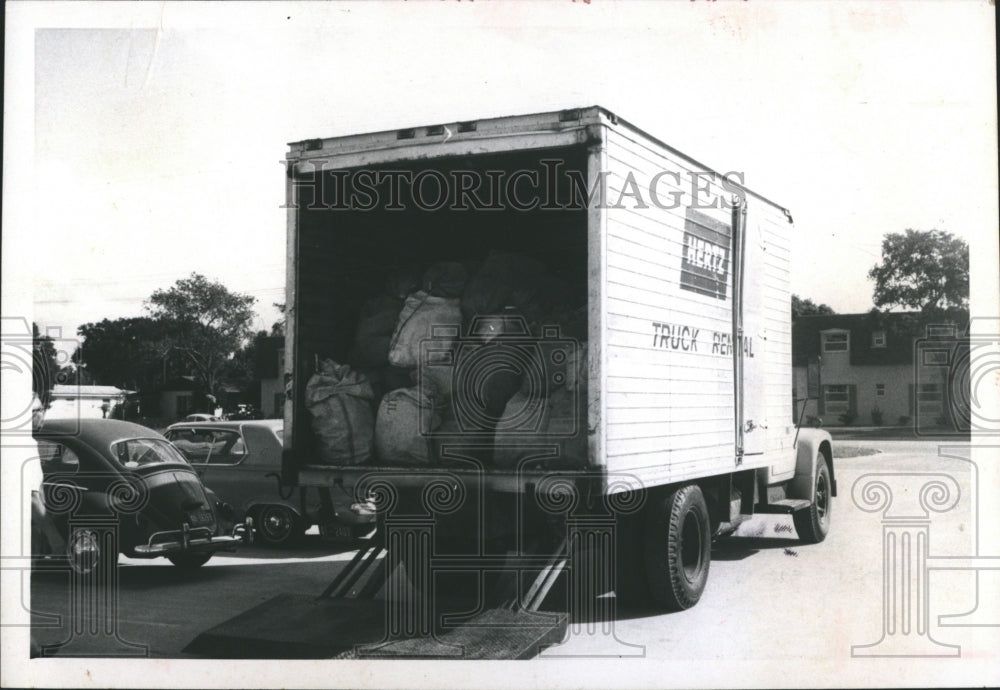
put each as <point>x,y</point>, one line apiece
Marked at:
<point>663,287</point>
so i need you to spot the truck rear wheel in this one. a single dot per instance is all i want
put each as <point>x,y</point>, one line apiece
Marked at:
<point>813,523</point>
<point>677,548</point>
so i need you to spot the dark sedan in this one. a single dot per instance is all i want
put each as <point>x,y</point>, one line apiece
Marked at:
<point>119,487</point>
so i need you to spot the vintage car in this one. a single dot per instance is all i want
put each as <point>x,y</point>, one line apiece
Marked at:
<point>241,462</point>
<point>201,417</point>
<point>107,480</point>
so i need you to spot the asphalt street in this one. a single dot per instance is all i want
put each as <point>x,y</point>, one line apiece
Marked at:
<point>769,597</point>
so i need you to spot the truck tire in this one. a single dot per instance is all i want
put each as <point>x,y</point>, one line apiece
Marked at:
<point>677,548</point>
<point>277,525</point>
<point>813,523</point>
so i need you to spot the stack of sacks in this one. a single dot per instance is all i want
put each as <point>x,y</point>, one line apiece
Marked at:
<point>377,321</point>
<point>406,418</point>
<point>426,312</point>
<point>339,399</point>
<point>516,282</point>
<point>504,280</point>
<point>376,324</point>
<point>554,425</point>
<point>445,279</point>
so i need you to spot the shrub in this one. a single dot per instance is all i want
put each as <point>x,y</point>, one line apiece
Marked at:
<point>904,420</point>
<point>847,418</point>
<point>877,417</point>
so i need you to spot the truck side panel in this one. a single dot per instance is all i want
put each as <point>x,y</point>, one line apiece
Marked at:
<point>669,367</point>
<point>669,342</point>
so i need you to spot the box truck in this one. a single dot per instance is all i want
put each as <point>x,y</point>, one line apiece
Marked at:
<point>612,373</point>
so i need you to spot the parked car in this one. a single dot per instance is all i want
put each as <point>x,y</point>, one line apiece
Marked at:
<point>241,461</point>
<point>102,472</point>
<point>243,412</point>
<point>201,417</point>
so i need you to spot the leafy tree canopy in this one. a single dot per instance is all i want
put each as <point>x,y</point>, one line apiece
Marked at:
<point>926,270</point>
<point>806,307</point>
<point>130,353</point>
<point>207,323</point>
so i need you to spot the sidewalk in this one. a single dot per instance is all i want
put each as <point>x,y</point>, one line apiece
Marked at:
<point>902,433</point>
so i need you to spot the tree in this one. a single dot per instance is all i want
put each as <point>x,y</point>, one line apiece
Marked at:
<point>278,327</point>
<point>241,368</point>
<point>205,321</point>
<point>131,353</point>
<point>44,365</point>
<point>806,307</point>
<point>926,270</point>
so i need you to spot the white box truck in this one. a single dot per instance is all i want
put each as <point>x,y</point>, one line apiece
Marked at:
<point>680,423</point>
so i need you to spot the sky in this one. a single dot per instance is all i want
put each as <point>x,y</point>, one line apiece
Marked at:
<point>158,132</point>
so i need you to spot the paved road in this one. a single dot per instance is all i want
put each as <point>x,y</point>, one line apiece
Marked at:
<point>769,597</point>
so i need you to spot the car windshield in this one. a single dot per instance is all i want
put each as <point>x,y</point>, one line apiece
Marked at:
<point>140,452</point>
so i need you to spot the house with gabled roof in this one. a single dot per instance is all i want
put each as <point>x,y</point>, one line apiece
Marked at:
<point>894,368</point>
<point>73,401</point>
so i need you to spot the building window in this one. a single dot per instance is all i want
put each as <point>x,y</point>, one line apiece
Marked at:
<point>929,398</point>
<point>935,357</point>
<point>880,390</point>
<point>836,399</point>
<point>835,342</point>
<point>878,339</point>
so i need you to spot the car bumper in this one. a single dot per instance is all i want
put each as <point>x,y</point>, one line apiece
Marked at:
<point>194,539</point>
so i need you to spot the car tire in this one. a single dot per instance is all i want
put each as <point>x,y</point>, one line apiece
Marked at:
<point>277,525</point>
<point>677,548</point>
<point>813,523</point>
<point>189,561</point>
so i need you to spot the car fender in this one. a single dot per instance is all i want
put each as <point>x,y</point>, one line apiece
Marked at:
<point>810,446</point>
